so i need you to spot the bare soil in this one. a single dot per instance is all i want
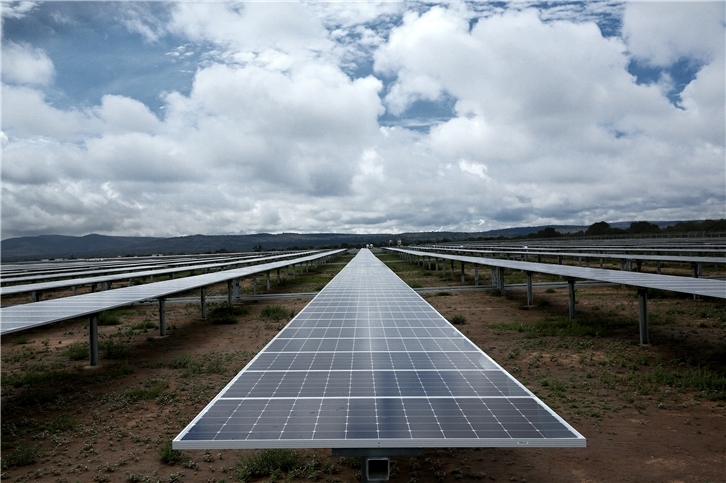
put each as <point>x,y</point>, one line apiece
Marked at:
<point>650,413</point>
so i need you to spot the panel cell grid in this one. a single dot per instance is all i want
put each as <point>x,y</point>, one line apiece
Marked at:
<point>369,364</point>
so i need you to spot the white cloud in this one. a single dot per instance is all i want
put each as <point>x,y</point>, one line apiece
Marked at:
<point>23,64</point>
<point>661,33</point>
<point>12,9</point>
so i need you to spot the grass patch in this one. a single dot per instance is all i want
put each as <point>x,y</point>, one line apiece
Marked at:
<point>458,319</point>
<point>226,314</point>
<point>214,363</point>
<point>109,317</point>
<point>77,351</point>
<point>111,349</point>
<point>152,389</point>
<point>276,313</point>
<point>21,339</point>
<point>168,455</point>
<point>21,455</point>
<point>710,382</point>
<point>558,326</point>
<point>270,462</point>
<point>145,325</point>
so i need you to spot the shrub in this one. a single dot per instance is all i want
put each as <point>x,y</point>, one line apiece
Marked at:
<point>168,455</point>
<point>111,349</point>
<point>21,455</point>
<point>145,325</point>
<point>458,319</point>
<point>269,462</point>
<point>77,351</point>
<point>226,314</point>
<point>108,317</point>
<point>276,312</point>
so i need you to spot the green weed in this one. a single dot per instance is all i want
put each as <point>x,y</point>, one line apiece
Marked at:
<point>77,351</point>
<point>21,339</point>
<point>276,313</point>
<point>458,319</point>
<point>145,325</point>
<point>109,317</point>
<point>111,349</point>
<point>226,314</point>
<point>168,455</point>
<point>558,326</point>
<point>274,463</point>
<point>21,455</point>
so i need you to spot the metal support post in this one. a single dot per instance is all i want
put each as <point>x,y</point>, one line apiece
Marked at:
<point>463,276</point>
<point>476,276</point>
<point>452,269</point>
<point>278,276</point>
<point>229,293</point>
<point>36,295</point>
<point>268,279</point>
<point>657,268</point>
<point>638,265</point>
<point>495,282</point>
<point>500,278</point>
<point>73,289</point>
<point>571,294</point>
<point>643,315</point>
<point>254,284</point>
<point>93,339</point>
<point>530,296</point>
<point>695,275</point>
<point>162,316</point>
<point>203,301</point>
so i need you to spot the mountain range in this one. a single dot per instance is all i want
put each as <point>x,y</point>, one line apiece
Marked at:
<point>92,246</point>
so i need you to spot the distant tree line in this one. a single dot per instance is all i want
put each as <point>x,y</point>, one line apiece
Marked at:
<point>602,228</point>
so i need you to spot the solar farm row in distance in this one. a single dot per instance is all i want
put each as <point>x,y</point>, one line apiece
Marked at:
<point>691,248</point>
<point>369,364</point>
<point>688,285</point>
<point>130,268</point>
<point>40,287</point>
<point>19,317</point>
<point>608,256</point>
<point>60,266</point>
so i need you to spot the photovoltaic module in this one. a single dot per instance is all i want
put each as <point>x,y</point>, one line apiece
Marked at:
<point>368,363</point>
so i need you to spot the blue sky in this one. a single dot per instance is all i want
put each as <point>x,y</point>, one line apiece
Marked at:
<point>167,119</point>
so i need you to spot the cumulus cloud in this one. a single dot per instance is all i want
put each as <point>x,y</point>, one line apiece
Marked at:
<point>23,64</point>
<point>662,33</point>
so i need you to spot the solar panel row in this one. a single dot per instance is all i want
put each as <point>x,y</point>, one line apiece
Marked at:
<point>369,364</point>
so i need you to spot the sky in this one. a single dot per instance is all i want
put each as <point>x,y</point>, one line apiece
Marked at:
<point>180,118</point>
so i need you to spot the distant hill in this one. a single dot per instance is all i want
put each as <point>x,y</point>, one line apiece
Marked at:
<point>91,246</point>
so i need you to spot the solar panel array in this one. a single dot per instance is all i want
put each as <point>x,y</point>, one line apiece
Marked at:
<point>21,317</point>
<point>369,364</point>
<point>689,285</point>
<point>18,289</point>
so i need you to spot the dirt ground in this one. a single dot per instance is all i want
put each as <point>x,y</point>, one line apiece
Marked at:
<point>650,414</point>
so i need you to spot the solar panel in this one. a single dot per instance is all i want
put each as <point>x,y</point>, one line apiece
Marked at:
<point>369,364</point>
